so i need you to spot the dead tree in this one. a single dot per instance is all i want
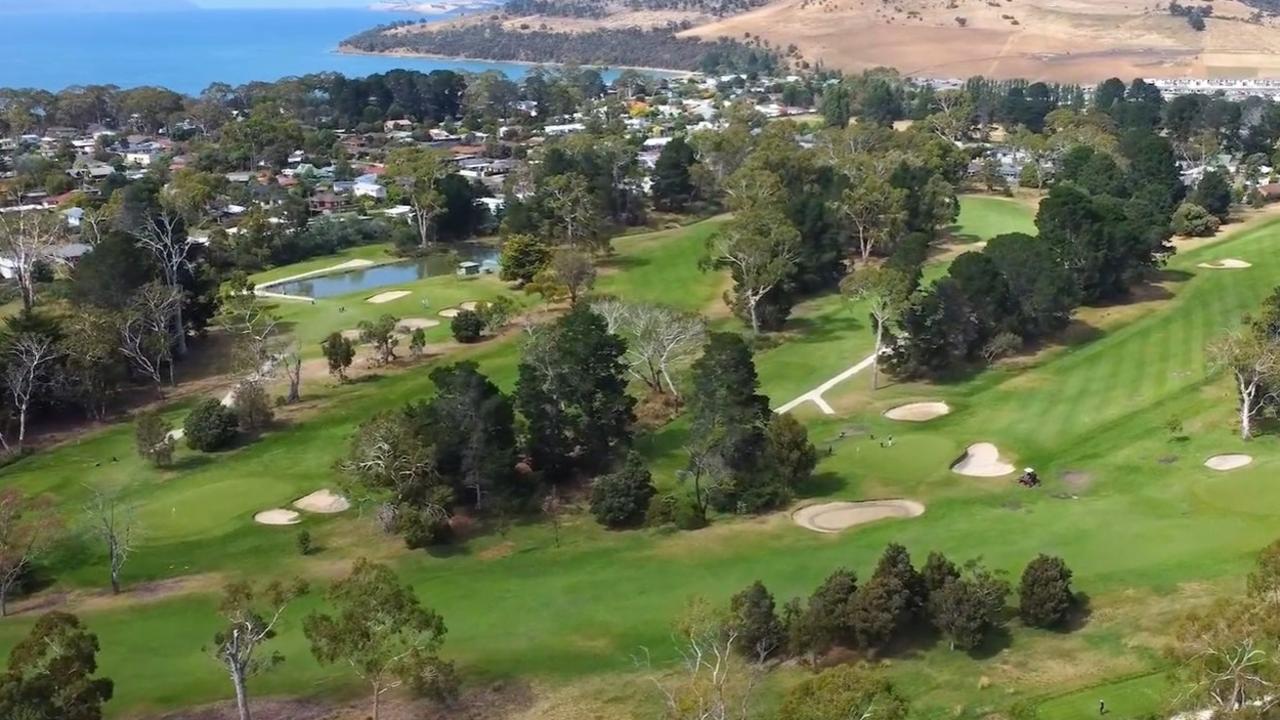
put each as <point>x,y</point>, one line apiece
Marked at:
<point>144,330</point>
<point>164,235</point>
<point>27,239</point>
<point>24,375</point>
<point>114,524</point>
<point>28,526</point>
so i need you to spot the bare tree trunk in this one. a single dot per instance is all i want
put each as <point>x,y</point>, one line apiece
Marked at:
<point>22,424</point>
<point>875,363</point>
<point>1247,392</point>
<point>377,695</point>
<point>180,329</point>
<point>242,694</point>
<point>755,321</point>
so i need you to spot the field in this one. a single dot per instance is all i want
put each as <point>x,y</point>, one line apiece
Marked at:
<point>1088,414</point>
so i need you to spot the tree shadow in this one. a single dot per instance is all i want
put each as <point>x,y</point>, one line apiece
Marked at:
<point>1079,614</point>
<point>993,643</point>
<point>821,484</point>
<point>192,461</point>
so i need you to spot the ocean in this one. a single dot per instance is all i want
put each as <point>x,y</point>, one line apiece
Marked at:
<point>188,50</point>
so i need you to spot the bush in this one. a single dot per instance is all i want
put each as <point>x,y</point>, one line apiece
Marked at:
<point>621,499</point>
<point>152,438</point>
<point>689,516</point>
<point>661,510</point>
<point>1194,221</point>
<point>845,691</point>
<point>1002,345</point>
<point>210,426</point>
<point>305,546</point>
<point>467,326</point>
<point>253,407</point>
<point>423,528</point>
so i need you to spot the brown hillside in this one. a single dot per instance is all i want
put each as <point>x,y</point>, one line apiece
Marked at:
<point>1064,40</point>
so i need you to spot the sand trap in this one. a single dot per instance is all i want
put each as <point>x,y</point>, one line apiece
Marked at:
<point>408,325</point>
<point>277,516</point>
<point>919,412</point>
<point>1226,264</point>
<point>324,501</point>
<point>982,460</point>
<point>175,435</point>
<point>450,312</point>
<point>469,305</point>
<point>836,516</point>
<point>387,296</point>
<point>352,335</point>
<point>1222,463</point>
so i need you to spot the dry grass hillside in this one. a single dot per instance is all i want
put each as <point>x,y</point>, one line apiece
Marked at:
<point>1064,40</point>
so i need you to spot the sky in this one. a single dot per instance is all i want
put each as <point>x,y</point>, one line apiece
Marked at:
<point>216,4</point>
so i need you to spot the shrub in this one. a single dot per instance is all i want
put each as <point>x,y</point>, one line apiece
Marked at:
<point>841,692</point>
<point>754,616</point>
<point>417,341</point>
<point>305,546</point>
<point>210,426</point>
<point>621,499</point>
<point>661,510</point>
<point>689,516</point>
<point>1044,596</point>
<point>152,438</point>
<point>790,454</point>
<point>1194,221</point>
<point>423,528</point>
<point>1002,345</point>
<point>467,326</point>
<point>253,407</point>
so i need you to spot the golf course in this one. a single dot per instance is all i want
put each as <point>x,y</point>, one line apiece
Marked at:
<point>564,612</point>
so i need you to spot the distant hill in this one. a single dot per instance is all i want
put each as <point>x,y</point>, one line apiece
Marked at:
<point>9,7</point>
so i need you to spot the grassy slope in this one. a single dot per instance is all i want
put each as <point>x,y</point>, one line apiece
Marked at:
<point>584,608</point>
<point>984,216</point>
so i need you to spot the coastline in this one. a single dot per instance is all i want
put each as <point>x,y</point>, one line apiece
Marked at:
<point>664,72</point>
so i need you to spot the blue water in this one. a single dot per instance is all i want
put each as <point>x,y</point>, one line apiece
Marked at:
<point>188,50</point>
<point>382,276</point>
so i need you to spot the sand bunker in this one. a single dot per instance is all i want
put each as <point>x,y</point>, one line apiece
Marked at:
<point>388,296</point>
<point>469,305</point>
<point>1226,264</point>
<point>450,312</point>
<point>277,516</point>
<point>919,412</point>
<point>836,516</point>
<point>352,335</point>
<point>982,460</point>
<point>323,501</point>
<point>175,435</point>
<point>1222,463</point>
<point>408,325</point>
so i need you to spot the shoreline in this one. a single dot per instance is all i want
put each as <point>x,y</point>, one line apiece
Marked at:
<point>666,72</point>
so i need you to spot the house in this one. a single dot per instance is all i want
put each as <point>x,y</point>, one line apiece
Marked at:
<point>565,129</point>
<point>363,188</point>
<point>141,158</point>
<point>391,126</point>
<point>68,254</point>
<point>326,203</point>
<point>296,157</point>
<point>74,216</point>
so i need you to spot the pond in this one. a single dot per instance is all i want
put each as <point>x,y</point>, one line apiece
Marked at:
<point>380,276</point>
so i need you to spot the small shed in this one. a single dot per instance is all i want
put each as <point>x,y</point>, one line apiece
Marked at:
<point>468,269</point>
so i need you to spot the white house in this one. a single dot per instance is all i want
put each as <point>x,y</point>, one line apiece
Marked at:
<point>373,190</point>
<point>140,158</point>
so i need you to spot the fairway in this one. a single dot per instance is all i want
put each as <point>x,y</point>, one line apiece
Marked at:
<point>570,618</point>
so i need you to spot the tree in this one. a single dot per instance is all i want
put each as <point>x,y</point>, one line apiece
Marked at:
<point>712,682</point>
<point>886,290</point>
<point>496,314</point>
<point>620,499</point>
<point>339,353</point>
<point>381,630</point>
<point>836,105</point>
<point>151,435</point>
<point>1225,657</point>
<point>381,334</point>
<point>51,673</point>
<point>754,618</point>
<point>389,460</point>
<point>1213,194</point>
<point>658,338</point>
<point>828,610</point>
<point>26,375</point>
<point>467,326</point>
<point>523,257</point>
<point>574,211</point>
<point>145,338</point>
<point>250,616</point>
<point>1043,289</point>
<point>672,182</point>
<point>210,426</point>
<point>874,209</point>
<point>1193,221</point>
<point>418,172</point>
<point>1252,357</point>
<point>967,608</point>
<point>889,600</point>
<point>114,523</point>
<point>937,572</point>
<point>28,239</point>
<point>759,246</point>
<point>790,455</point>
<point>574,271</point>
<point>93,368</point>
<point>163,233</point>
<point>252,406</point>
<point>28,528</point>
<point>844,692</point>
<point>1044,595</point>
<point>572,391</point>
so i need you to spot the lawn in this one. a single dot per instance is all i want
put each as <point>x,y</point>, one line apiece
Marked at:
<point>982,217</point>
<point>571,618</point>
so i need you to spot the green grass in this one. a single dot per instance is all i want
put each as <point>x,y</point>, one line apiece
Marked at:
<point>1151,520</point>
<point>982,217</point>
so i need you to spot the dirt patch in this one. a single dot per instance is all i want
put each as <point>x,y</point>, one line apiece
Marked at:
<point>919,412</point>
<point>277,516</point>
<point>497,552</point>
<point>325,502</point>
<point>388,296</point>
<point>352,335</point>
<point>1077,480</point>
<point>1226,264</point>
<point>1223,463</point>
<point>408,325</point>
<point>130,594</point>
<point>982,460</point>
<point>836,516</point>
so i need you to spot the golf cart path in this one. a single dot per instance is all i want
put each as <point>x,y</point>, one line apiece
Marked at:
<point>815,395</point>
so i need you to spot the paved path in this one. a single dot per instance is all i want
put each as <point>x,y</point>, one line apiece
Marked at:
<point>815,395</point>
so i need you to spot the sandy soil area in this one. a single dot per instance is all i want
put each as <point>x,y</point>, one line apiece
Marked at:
<point>408,325</point>
<point>325,502</point>
<point>277,516</point>
<point>388,296</point>
<point>918,412</point>
<point>833,517</point>
<point>1223,463</point>
<point>450,312</point>
<point>1226,264</point>
<point>982,460</point>
<point>469,305</point>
